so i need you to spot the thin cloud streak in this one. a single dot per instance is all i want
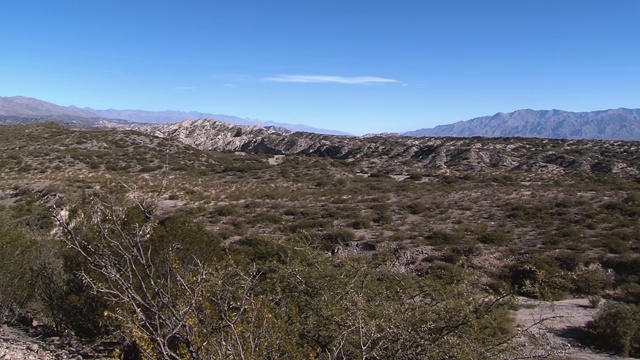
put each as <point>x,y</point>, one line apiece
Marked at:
<point>325,79</point>
<point>184,88</point>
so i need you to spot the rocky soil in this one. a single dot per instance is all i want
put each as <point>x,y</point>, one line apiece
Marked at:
<point>21,343</point>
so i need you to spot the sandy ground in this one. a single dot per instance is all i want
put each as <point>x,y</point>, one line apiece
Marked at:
<point>556,325</point>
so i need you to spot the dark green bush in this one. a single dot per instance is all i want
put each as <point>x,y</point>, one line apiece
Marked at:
<point>336,237</point>
<point>442,238</point>
<point>360,223</point>
<point>266,218</point>
<point>496,237</point>
<point>568,260</point>
<point>591,282</point>
<point>226,210</point>
<point>416,208</point>
<point>616,329</point>
<point>539,277</point>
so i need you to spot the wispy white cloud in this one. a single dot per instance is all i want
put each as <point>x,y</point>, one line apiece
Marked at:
<point>184,88</point>
<point>329,79</point>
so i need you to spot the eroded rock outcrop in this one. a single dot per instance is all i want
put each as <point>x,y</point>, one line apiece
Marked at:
<point>436,153</point>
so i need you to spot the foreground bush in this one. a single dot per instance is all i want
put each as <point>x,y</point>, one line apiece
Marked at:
<point>616,329</point>
<point>18,252</point>
<point>172,291</point>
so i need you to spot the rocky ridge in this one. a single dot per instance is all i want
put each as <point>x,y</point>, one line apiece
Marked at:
<point>444,154</point>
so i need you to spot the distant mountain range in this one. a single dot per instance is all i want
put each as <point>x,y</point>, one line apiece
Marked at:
<point>20,109</point>
<point>616,124</point>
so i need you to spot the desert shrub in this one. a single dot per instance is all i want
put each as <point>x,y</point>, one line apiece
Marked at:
<point>383,218</point>
<point>226,210</point>
<point>322,182</point>
<point>352,309</point>
<point>415,177</point>
<point>496,237</point>
<point>416,208</point>
<point>336,237</point>
<point>291,211</point>
<point>68,301</point>
<point>380,207</point>
<point>367,246</point>
<point>623,208</point>
<point>591,282</point>
<point>247,167</point>
<point>33,215</point>
<point>539,277</point>
<point>449,180</point>
<point>439,237</point>
<point>165,291</point>
<point>398,236</point>
<point>379,175</point>
<point>306,224</point>
<point>360,223</point>
<point>455,254</point>
<point>447,273</point>
<point>568,260</point>
<point>633,198</point>
<point>568,234</point>
<point>37,274</point>
<point>629,292</point>
<point>616,245</point>
<point>266,218</point>
<point>192,238</point>
<point>256,249</point>
<point>625,266</point>
<point>381,213</point>
<point>18,254</point>
<point>616,329</point>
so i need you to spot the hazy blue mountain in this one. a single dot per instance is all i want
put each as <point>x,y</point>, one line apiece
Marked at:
<point>615,124</point>
<point>25,110</point>
<point>155,117</point>
<point>30,107</point>
<point>20,109</point>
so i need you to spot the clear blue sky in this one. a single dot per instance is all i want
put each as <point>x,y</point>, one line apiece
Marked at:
<point>353,65</point>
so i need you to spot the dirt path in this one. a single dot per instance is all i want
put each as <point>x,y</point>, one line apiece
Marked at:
<point>17,344</point>
<point>556,323</point>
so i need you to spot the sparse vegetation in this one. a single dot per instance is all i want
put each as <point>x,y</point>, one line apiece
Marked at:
<point>309,256</point>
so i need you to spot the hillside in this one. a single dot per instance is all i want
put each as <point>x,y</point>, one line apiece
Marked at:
<point>617,124</point>
<point>402,154</point>
<point>314,230</point>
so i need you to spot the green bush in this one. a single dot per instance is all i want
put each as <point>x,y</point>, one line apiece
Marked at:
<point>336,237</point>
<point>591,282</point>
<point>540,278</point>
<point>18,255</point>
<point>442,238</point>
<point>360,223</point>
<point>226,210</point>
<point>416,208</point>
<point>266,218</point>
<point>496,237</point>
<point>616,329</point>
